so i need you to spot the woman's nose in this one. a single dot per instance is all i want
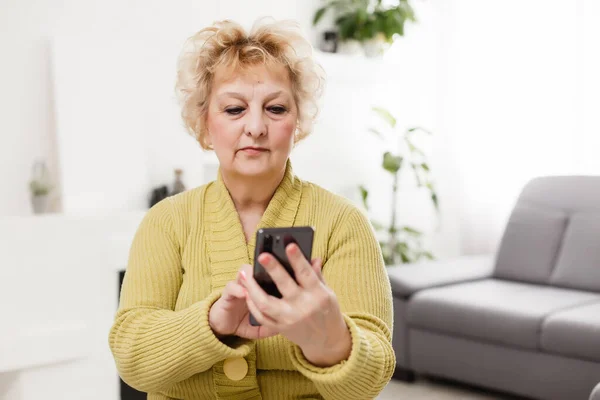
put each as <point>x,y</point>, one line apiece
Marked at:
<point>256,125</point>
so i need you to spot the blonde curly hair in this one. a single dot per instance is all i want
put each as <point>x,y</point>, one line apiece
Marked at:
<point>226,44</point>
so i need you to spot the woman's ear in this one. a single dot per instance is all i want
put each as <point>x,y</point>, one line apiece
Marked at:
<point>205,140</point>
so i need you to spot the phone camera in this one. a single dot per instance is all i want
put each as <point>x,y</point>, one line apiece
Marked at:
<point>268,244</point>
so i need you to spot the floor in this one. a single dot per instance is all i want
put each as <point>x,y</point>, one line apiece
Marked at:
<point>430,389</point>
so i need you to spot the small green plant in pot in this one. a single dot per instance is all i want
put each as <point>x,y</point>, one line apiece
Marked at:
<point>40,187</point>
<point>402,244</point>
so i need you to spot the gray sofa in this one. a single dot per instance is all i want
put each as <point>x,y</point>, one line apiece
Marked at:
<point>525,320</point>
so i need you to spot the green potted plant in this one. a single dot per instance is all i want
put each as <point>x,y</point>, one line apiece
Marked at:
<point>384,26</point>
<point>402,244</point>
<point>40,187</point>
<point>367,24</point>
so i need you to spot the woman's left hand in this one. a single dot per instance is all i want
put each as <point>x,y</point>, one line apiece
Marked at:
<point>308,314</point>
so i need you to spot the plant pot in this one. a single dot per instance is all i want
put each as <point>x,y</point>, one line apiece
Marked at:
<point>350,47</point>
<point>40,203</point>
<point>375,47</point>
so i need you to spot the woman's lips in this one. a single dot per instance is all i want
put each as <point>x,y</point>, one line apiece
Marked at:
<point>253,151</point>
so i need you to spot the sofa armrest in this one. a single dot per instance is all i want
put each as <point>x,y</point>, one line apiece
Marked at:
<point>409,279</point>
<point>595,393</point>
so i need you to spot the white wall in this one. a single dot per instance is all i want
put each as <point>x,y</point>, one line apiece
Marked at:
<point>589,84</point>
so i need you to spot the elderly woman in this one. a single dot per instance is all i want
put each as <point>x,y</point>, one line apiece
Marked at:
<point>182,329</point>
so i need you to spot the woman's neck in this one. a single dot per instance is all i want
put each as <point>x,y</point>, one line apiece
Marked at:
<point>251,194</point>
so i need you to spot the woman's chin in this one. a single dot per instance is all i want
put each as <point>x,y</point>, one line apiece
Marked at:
<point>253,168</point>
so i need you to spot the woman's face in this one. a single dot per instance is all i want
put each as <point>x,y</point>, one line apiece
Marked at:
<point>251,120</point>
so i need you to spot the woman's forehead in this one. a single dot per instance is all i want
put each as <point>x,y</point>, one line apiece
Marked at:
<point>273,76</point>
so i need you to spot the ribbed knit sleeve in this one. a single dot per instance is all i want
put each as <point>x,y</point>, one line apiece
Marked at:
<point>154,346</point>
<point>354,270</point>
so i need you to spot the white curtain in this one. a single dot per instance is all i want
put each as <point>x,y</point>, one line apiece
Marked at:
<point>520,98</point>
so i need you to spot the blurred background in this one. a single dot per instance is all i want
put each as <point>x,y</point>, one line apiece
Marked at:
<point>470,100</point>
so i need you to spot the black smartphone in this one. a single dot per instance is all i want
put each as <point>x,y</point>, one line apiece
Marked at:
<point>274,241</point>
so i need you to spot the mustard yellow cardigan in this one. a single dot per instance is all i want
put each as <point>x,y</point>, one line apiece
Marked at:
<point>189,246</point>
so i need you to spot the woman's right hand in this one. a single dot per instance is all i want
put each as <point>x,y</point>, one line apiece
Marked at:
<point>230,315</point>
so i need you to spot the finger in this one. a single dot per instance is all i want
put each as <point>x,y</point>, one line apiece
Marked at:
<point>248,270</point>
<point>317,265</point>
<point>248,331</point>
<point>263,320</point>
<point>283,280</point>
<point>305,275</point>
<point>266,331</point>
<point>267,304</point>
<point>233,290</point>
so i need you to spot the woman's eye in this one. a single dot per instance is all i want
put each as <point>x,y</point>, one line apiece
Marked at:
<point>277,109</point>
<point>234,110</point>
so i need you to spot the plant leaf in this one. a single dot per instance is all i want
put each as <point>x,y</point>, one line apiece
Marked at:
<point>361,16</point>
<point>364,194</point>
<point>413,149</point>
<point>386,116</point>
<point>418,129</point>
<point>404,250</point>
<point>319,15</point>
<point>411,231</point>
<point>409,12</point>
<point>434,199</point>
<point>347,26</point>
<point>392,163</point>
<point>376,132</point>
<point>377,226</point>
<point>417,175</point>
<point>425,166</point>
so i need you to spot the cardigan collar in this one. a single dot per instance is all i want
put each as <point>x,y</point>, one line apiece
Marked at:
<point>227,245</point>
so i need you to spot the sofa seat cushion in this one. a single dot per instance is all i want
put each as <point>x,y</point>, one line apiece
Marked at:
<point>574,332</point>
<point>492,310</point>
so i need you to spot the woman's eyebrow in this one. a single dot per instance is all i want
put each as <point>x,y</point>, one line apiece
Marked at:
<point>273,95</point>
<point>232,94</point>
<point>240,96</point>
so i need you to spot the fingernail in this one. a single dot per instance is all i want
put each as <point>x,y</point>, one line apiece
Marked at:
<point>243,274</point>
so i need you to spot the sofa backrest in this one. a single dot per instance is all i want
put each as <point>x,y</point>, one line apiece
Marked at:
<point>553,234</point>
